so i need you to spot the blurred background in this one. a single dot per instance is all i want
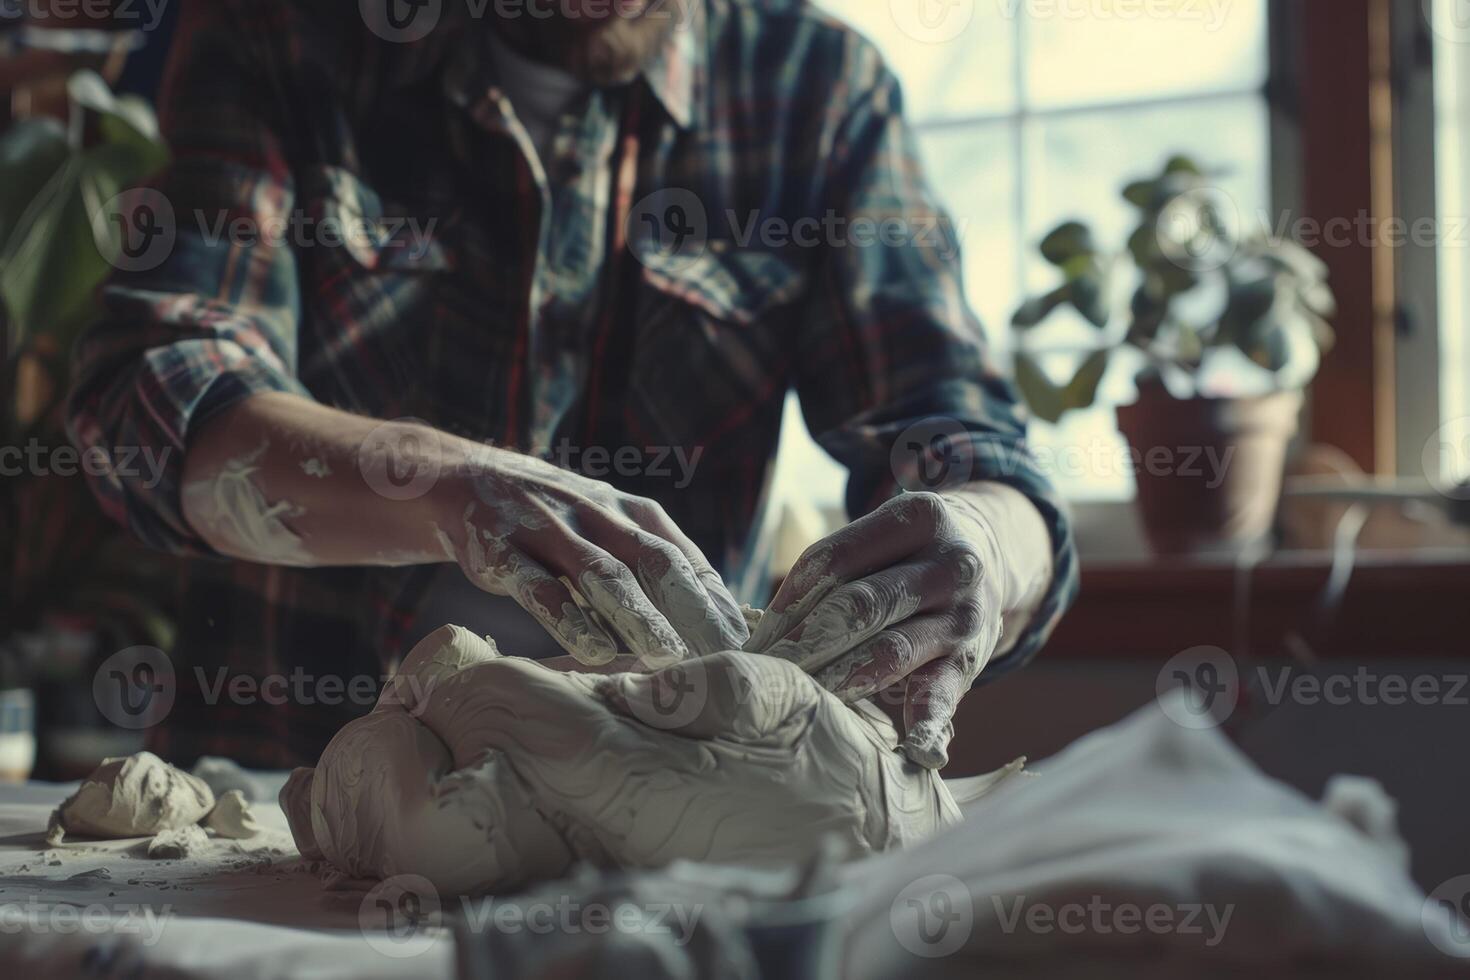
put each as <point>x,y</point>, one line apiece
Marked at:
<point>1234,231</point>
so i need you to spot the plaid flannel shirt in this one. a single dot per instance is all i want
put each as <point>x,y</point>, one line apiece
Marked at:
<point>757,114</point>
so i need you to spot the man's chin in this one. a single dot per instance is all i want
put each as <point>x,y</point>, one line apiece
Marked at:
<point>606,45</point>
<point>619,50</point>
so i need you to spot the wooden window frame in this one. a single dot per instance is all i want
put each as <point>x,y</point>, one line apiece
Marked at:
<point>1336,66</point>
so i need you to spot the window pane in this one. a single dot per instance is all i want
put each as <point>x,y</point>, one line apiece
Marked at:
<point>973,170</point>
<point>1452,166</point>
<point>805,475</point>
<point>1080,52</point>
<point>964,66</point>
<point>1076,166</point>
<point>1007,181</point>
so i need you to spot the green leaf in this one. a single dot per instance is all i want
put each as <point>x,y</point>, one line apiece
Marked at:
<point>1318,298</point>
<point>1180,164</point>
<point>123,118</point>
<point>31,152</point>
<point>1297,260</point>
<point>1284,344</point>
<point>1081,392</point>
<point>1042,397</point>
<point>1081,265</point>
<point>1246,305</point>
<point>1034,311</point>
<point>1173,185</point>
<point>45,270</point>
<point>52,264</point>
<point>1088,296</point>
<point>1175,279</point>
<point>1189,346</point>
<point>1149,309</point>
<point>1067,242</point>
<point>1143,245</point>
<point>1142,193</point>
<point>1322,332</point>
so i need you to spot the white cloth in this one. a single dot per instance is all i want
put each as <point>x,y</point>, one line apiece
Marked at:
<point>1147,813</point>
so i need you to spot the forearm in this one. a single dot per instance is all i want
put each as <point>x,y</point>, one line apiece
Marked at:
<point>1016,551</point>
<point>282,479</point>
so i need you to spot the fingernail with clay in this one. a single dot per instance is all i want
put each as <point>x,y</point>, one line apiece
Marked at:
<point>927,745</point>
<point>771,627</point>
<point>584,641</point>
<point>732,626</point>
<point>855,688</point>
<point>668,648</point>
<point>693,613</point>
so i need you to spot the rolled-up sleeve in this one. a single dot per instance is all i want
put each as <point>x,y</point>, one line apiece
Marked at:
<point>893,372</point>
<point>212,319</point>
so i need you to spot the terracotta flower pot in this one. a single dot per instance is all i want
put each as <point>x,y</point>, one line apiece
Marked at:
<point>1209,470</point>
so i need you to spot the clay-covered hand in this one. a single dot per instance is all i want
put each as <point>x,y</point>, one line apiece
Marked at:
<point>603,571</point>
<point>904,595</point>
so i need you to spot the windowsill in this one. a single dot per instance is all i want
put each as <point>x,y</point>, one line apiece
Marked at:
<point>1134,605</point>
<point>1108,531</point>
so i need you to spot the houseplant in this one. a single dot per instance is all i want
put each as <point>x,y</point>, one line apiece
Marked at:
<point>1222,329</point>
<point>71,582</point>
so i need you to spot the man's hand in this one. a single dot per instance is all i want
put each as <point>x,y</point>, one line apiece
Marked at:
<point>917,593</point>
<point>283,480</point>
<point>602,570</point>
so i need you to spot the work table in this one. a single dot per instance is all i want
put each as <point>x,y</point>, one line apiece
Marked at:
<point>242,908</point>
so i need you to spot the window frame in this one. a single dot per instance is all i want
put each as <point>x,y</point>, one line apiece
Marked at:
<point>1373,151</point>
<point>1419,272</point>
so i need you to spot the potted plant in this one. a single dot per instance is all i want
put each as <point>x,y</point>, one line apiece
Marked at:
<point>1222,330</point>
<point>71,582</point>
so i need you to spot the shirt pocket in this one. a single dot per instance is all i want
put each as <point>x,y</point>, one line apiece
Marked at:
<point>712,359</point>
<point>372,278</point>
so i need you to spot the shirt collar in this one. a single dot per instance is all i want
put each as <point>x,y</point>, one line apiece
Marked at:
<point>673,73</point>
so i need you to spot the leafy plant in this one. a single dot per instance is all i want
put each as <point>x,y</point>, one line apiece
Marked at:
<point>1270,299</point>
<point>60,558</point>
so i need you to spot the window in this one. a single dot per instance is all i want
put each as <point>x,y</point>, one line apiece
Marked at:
<point>1451,40</point>
<point>1029,112</point>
